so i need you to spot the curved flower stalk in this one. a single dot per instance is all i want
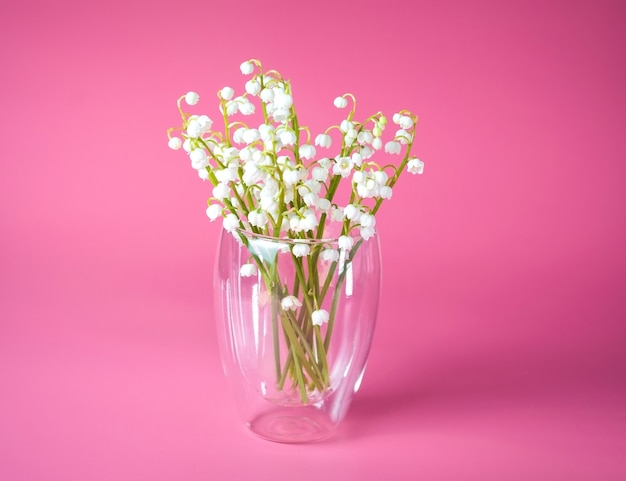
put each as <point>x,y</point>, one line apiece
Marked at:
<point>274,178</point>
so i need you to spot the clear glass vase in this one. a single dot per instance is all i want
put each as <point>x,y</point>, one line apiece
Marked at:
<point>295,322</point>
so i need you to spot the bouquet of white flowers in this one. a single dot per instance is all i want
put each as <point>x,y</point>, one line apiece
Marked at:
<point>270,180</point>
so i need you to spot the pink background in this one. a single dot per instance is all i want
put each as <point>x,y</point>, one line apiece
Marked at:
<point>499,352</point>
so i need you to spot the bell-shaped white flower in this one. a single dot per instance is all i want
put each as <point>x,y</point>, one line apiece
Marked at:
<point>251,135</point>
<point>351,212</point>
<point>191,98</point>
<point>393,147</point>
<point>319,317</point>
<point>247,67</point>
<point>323,140</point>
<point>246,107</point>
<point>385,192</point>
<point>198,158</point>
<point>341,102</point>
<point>323,204</point>
<point>403,136</point>
<point>364,137</point>
<point>330,255</point>
<point>366,232</point>
<point>319,174</point>
<point>377,143</point>
<point>306,151</point>
<point>287,137</point>
<point>381,177</point>
<point>221,191</point>
<point>232,107</point>
<point>248,270</point>
<point>415,166</point>
<point>282,100</point>
<point>230,222</point>
<point>214,211</point>
<point>367,220</point>
<point>343,166</point>
<point>253,87</point>
<point>267,95</point>
<point>175,143</point>
<point>227,93</point>
<point>300,250</point>
<point>257,218</point>
<point>345,242</point>
<point>290,303</point>
<point>194,129</point>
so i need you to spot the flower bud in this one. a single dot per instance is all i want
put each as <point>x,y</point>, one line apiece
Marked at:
<point>175,143</point>
<point>191,98</point>
<point>341,102</point>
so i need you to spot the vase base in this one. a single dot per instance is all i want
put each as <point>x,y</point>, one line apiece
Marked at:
<point>292,425</point>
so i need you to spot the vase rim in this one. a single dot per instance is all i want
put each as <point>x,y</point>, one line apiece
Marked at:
<point>289,240</point>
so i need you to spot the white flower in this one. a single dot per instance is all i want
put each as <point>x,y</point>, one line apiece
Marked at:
<point>366,232</point>
<point>351,212</point>
<point>345,242</point>
<point>257,218</point>
<point>267,95</point>
<point>191,98</point>
<point>248,270</point>
<point>231,107</point>
<point>287,137</point>
<point>364,137</point>
<point>377,143</point>
<point>253,87</point>
<point>329,255</point>
<point>346,125</point>
<point>385,192</point>
<point>341,102</point>
<point>247,67</point>
<point>214,211</point>
<point>194,129</point>
<point>323,204</point>
<point>336,214</point>
<point>343,166</point>
<point>221,191</point>
<point>404,121</point>
<point>282,100</point>
<point>246,107</point>
<point>225,175</point>
<point>403,136</point>
<point>175,143</point>
<point>323,140</point>
<point>319,317</point>
<point>227,93</point>
<point>251,135</point>
<point>231,222</point>
<point>301,249</point>
<point>198,158</point>
<point>290,303</point>
<point>415,166</point>
<point>307,151</point>
<point>319,174</point>
<point>367,220</point>
<point>393,147</point>
<point>381,177</point>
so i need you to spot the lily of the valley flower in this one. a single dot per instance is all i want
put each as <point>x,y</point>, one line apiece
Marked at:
<point>248,270</point>
<point>415,166</point>
<point>192,98</point>
<point>290,303</point>
<point>319,317</point>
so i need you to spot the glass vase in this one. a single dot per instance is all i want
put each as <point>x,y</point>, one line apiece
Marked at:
<point>295,322</point>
